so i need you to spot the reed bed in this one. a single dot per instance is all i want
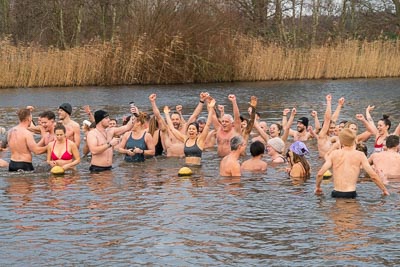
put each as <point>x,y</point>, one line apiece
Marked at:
<point>175,61</point>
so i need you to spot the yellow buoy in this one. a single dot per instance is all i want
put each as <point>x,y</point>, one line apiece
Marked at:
<point>57,170</point>
<point>327,175</point>
<point>184,171</point>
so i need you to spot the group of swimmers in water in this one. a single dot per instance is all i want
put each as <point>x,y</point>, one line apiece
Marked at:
<point>142,136</point>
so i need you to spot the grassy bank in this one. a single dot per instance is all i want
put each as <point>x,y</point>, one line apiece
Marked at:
<point>175,61</point>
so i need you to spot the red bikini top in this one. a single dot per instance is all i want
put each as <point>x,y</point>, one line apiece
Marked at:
<point>65,156</point>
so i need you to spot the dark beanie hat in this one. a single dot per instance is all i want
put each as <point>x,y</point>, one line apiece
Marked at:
<point>66,107</point>
<point>99,115</point>
<point>304,121</point>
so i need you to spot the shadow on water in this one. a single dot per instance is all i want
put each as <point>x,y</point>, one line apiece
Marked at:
<point>145,214</point>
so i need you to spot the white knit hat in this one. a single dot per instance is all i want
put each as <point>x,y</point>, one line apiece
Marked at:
<point>277,144</point>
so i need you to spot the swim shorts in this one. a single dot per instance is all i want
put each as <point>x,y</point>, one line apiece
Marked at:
<point>339,194</point>
<point>94,168</point>
<point>16,166</point>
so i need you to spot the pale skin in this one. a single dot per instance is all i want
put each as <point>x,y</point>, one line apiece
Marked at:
<point>59,149</point>
<point>137,132</point>
<point>73,128</point>
<point>101,140</point>
<point>47,131</point>
<point>192,136</point>
<point>22,143</point>
<point>301,134</point>
<point>346,164</point>
<point>386,163</point>
<point>228,129</point>
<point>324,140</point>
<point>230,165</point>
<point>254,164</point>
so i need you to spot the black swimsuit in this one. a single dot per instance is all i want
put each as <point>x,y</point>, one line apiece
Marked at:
<point>192,151</point>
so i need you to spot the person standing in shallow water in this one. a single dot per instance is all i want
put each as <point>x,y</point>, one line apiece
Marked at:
<point>138,143</point>
<point>22,143</point>
<point>346,163</point>
<point>62,151</point>
<point>73,128</point>
<point>230,165</point>
<point>101,140</point>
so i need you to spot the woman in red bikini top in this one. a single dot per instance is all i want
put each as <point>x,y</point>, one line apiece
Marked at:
<point>381,130</point>
<point>62,152</point>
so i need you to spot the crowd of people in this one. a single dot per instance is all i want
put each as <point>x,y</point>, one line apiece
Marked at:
<point>142,135</point>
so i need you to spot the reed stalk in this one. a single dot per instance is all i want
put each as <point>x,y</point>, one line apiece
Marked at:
<point>174,60</point>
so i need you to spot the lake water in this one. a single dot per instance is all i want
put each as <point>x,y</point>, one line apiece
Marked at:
<point>144,214</point>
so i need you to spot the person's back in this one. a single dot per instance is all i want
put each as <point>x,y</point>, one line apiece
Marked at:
<point>388,162</point>
<point>255,164</point>
<point>17,142</point>
<point>346,164</point>
<point>230,165</point>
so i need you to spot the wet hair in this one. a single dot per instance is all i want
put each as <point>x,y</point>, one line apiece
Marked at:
<point>236,141</point>
<point>392,141</point>
<point>60,126</point>
<point>362,147</point>
<point>302,160</point>
<point>195,125</point>
<point>386,121</point>
<point>257,148</point>
<point>48,114</point>
<point>23,114</point>
<point>153,125</point>
<point>142,117</point>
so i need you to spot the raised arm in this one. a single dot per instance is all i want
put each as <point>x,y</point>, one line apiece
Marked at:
<point>370,129</point>
<point>253,105</point>
<point>288,125</point>
<point>87,110</point>
<point>317,124</point>
<point>369,118</point>
<point>236,113</point>
<point>262,133</point>
<point>335,115</point>
<point>161,123</point>
<point>211,111</point>
<point>199,107</point>
<point>181,137</point>
<point>284,117</point>
<point>327,117</point>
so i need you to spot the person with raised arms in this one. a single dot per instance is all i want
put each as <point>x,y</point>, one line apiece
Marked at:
<point>193,140</point>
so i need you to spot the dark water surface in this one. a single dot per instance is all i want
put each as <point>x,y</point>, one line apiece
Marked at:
<point>144,214</point>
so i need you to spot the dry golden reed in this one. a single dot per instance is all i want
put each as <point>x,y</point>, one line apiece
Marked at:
<point>176,61</point>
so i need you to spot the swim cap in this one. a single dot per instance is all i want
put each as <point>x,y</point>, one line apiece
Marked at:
<point>299,148</point>
<point>347,137</point>
<point>66,107</point>
<point>277,144</point>
<point>99,115</point>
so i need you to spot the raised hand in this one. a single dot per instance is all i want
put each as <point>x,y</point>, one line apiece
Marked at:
<point>253,101</point>
<point>167,110</point>
<point>286,111</point>
<point>152,97</point>
<point>314,113</point>
<point>232,97</point>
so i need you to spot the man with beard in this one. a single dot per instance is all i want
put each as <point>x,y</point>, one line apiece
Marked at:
<point>302,124</point>
<point>47,123</point>
<point>73,129</point>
